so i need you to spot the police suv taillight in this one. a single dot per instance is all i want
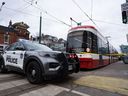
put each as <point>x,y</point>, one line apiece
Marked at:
<point>72,56</point>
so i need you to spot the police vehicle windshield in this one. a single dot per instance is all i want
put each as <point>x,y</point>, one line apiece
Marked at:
<point>35,46</point>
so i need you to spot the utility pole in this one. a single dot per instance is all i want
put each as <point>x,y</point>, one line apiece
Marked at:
<point>40,28</point>
<point>2,6</point>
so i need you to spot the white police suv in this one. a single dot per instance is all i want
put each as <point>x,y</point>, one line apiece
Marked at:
<point>37,61</point>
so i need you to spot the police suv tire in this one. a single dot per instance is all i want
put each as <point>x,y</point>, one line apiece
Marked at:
<point>2,67</point>
<point>34,73</point>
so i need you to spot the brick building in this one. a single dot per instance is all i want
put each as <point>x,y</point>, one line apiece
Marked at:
<point>13,32</point>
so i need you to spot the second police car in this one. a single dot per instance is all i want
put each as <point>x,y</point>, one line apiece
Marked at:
<point>37,61</point>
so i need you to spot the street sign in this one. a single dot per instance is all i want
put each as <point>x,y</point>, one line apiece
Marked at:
<point>124,9</point>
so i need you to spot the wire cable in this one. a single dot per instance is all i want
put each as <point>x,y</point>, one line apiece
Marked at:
<point>26,13</point>
<point>48,14</point>
<point>19,11</point>
<point>85,14</point>
<point>107,22</point>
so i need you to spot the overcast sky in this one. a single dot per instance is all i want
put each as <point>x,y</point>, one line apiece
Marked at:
<point>105,13</point>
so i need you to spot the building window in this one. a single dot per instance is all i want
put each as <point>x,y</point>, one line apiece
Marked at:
<point>6,38</point>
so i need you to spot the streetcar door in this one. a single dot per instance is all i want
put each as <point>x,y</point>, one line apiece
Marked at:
<point>101,60</point>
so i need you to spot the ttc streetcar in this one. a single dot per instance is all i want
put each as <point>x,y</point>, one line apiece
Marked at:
<point>91,47</point>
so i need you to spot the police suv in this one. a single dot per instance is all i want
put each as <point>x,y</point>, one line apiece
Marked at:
<point>37,61</point>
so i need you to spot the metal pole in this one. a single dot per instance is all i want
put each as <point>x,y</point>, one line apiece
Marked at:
<point>109,52</point>
<point>108,48</point>
<point>40,28</point>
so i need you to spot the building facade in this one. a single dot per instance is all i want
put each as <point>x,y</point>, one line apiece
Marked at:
<point>13,32</point>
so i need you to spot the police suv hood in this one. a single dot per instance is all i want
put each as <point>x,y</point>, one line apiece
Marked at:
<point>48,53</point>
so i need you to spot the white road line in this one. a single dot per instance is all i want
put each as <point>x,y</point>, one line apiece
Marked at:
<point>82,94</point>
<point>12,84</point>
<point>50,90</point>
<point>7,75</point>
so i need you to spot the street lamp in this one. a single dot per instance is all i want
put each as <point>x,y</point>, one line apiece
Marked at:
<point>108,43</point>
<point>2,5</point>
<point>108,46</point>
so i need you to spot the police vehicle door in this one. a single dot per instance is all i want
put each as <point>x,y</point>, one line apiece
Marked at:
<point>9,56</point>
<point>14,57</point>
<point>19,54</point>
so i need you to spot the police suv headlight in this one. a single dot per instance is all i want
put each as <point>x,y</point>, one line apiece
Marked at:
<point>53,65</point>
<point>43,54</point>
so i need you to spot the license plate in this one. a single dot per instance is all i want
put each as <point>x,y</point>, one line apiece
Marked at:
<point>70,67</point>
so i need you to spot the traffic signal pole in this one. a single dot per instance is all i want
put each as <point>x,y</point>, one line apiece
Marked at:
<point>124,9</point>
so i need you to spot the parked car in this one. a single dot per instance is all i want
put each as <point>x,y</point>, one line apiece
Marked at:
<point>37,61</point>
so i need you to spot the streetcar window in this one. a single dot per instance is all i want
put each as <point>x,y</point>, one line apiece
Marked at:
<point>103,47</point>
<point>91,41</point>
<point>74,41</point>
<point>80,40</point>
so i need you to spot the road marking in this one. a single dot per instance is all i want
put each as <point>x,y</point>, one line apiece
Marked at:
<point>82,94</point>
<point>7,75</point>
<point>51,90</point>
<point>105,83</point>
<point>22,86</point>
<point>11,84</point>
<point>18,90</point>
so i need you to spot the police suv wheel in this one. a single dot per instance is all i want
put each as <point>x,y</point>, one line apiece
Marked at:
<point>2,67</point>
<point>34,73</point>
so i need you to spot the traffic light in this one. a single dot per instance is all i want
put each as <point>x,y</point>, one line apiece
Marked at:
<point>124,17</point>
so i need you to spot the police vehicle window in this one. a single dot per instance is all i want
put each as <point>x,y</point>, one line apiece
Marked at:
<point>11,47</point>
<point>34,46</point>
<point>19,45</point>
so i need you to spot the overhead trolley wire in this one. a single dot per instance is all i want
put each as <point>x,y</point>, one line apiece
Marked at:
<point>48,13</point>
<point>85,13</point>
<point>26,13</point>
<point>90,18</point>
<point>87,16</point>
<point>19,11</point>
<point>107,22</point>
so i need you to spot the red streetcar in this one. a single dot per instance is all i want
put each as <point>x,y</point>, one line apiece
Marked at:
<point>90,46</point>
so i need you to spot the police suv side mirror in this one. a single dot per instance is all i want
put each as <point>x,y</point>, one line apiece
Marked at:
<point>20,48</point>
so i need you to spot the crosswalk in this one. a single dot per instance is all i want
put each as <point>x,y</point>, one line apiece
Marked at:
<point>16,85</point>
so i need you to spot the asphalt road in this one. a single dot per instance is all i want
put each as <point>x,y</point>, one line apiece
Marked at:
<point>15,84</point>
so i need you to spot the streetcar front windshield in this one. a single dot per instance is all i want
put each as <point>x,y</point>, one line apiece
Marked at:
<point>75,41</point>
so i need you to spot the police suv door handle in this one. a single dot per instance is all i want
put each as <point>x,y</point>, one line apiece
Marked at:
<point>13,52</point>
